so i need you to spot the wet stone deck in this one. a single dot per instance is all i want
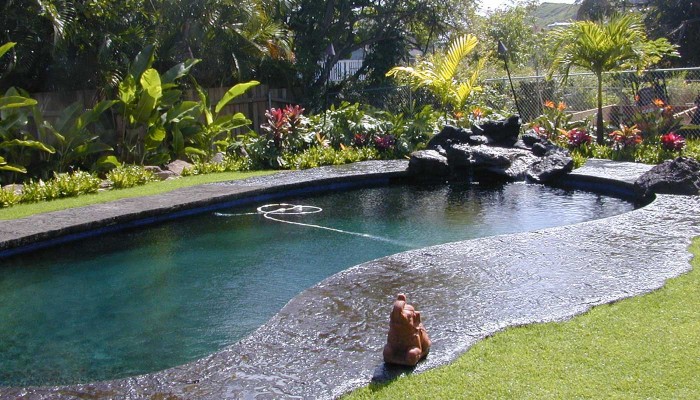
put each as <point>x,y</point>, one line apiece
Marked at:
<point>328,340</point>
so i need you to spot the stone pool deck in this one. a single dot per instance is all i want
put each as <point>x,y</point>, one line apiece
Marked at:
<point>328,340</point>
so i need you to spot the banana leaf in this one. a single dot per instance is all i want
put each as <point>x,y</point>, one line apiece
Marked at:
<point>234,92</point>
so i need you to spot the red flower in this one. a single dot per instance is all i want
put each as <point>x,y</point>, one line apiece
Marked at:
<point>672,141</point>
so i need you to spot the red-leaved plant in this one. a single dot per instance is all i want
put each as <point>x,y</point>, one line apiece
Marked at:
<point>626,137</point>
<point>578,137</point>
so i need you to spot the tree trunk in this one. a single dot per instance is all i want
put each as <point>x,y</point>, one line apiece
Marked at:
<point>600,128</point>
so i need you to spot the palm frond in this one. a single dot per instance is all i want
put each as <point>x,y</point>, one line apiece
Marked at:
<point>458,49</point>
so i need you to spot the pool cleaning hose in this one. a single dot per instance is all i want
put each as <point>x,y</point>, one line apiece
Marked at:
<point>269,211</point>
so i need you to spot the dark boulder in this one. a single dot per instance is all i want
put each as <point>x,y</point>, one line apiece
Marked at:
<point>502,133</point>
<point>539,149</point>
<point>428,163</point>
<point>552,166</point>
<point>530,138</point>
<point>448,136</point>
<point>679,176</point>
<point>542,149</point>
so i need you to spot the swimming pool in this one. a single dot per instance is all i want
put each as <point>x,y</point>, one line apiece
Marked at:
<point>151,298</point>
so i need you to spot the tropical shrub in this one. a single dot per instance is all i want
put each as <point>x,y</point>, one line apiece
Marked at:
<point>358,125</point>
<point>285,130</point>
<point>656,119</point>
<point>319,156</point>
<point>553,123</point>
<point>149,103</point>
<point>75,144</point>
<point>229,164</point>
<point>62,185</point>
<point>672,141</point>
<point>126,176</point>
<point>577,137</point>
<point>626,137</point>
<point>213,130</point>
<point>9,197</point>
<point>439,74</point>
<point>20,149</point>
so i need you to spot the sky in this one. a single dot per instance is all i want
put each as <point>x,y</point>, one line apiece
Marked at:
<point>486,4</point>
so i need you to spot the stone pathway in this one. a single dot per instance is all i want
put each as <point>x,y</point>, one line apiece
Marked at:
<point>328,340</point>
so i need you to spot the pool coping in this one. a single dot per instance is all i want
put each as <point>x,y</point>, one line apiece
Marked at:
<point>663,229</point>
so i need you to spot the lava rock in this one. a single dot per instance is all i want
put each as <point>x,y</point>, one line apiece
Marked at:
<point>476,140</point>
<point>448,136</point>
<point>552,166</point>
<point>429,163</point>
<point>539,149</point>
<point>679,176</point>
<point>520,162</point>
<point>530,138</point>
<point>503,133</point>
<point>510,163</point>
<point>542,149</point>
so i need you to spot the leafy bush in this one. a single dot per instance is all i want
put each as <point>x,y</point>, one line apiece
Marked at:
<point>656,119</point>
<point>8,197</point>
<point>286,130</point>
<point>62,185</point>
<point>127,176</point>
<point>319,156</point>
<point>626,138</point>
<point>360,125</point>
<point>554,122</point>
<point>229,164</point>
<point>20,150</point>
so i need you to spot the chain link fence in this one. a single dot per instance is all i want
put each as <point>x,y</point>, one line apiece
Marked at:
<point>625,94</point>
<point>394,99</point>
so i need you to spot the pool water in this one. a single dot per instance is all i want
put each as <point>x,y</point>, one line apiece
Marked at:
<point>151,298</point>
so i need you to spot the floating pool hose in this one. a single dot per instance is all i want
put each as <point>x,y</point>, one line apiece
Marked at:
<point>269,211</point>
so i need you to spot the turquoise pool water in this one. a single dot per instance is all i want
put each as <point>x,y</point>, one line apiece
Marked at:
<point>152,298</point>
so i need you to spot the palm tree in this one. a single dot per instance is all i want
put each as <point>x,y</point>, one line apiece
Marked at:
<point>599,47</point>
<point>438,74</point>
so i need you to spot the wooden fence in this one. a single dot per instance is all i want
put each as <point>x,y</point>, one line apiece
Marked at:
<point>252,104</point>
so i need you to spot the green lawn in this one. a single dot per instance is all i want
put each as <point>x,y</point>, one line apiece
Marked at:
<point>24,210</point>
<point>645,347</point>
